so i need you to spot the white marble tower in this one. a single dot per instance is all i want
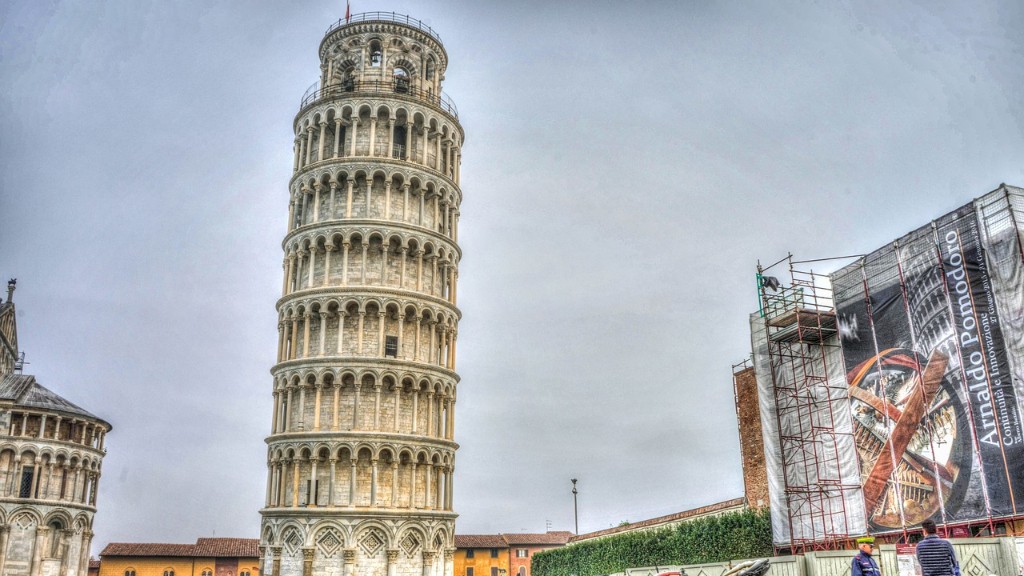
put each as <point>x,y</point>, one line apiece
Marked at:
<point>361,451</point>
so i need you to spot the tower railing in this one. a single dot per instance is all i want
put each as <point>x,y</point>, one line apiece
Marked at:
<point>398,86</point>
<point>385,17</point>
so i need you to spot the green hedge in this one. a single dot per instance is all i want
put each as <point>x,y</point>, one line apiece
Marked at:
<point>733,536</point>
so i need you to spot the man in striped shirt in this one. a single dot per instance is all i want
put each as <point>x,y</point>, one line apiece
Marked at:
<point>936,555</point>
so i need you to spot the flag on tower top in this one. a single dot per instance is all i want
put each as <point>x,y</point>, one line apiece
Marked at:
<point>348,11</point>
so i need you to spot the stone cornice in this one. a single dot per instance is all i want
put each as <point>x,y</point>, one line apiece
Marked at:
<point>342,363</point>
<point>371,164</point>
<point>365,226</point>
<point>361,292</point>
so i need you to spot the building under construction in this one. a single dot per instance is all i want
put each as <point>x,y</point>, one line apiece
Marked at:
<point>891,389</point>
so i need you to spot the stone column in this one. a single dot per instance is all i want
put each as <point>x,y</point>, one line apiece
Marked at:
<point>349,559</point>
<point>295,482</point>
<point>398,404</point>
<point>307,561</point>
<point>337,395</point>
<point>373,481</point>
<point>316,198</point>
<point>320,148</point>
<point>348,196</point>
<point>394,483</point>
<point>428,562</point>
<point>334,194</point>
<point>37,550</point>
<point>337,137</point>
<point>355,132</point>
<point>376,405</point>
<point>412,485</point>
<point>352,483</point>
<point>312,266</point>
<point>403,255</point>
<point>369,198</point>
<point>309,144</point>
<point>359,331</point>
<point>330,489</point>
<point>392,561</point>
<point>387,199</point>
<point>416,344</point>
<point>305,333</point>
<point>424,141</point>
<point>327,263</point>
<point>275,552</point>
<point>316,405</point>
<point>345,245</point>
<point>373,136</point>
<point>323,331</point>
<point>5,533</point>
<point>362,271</point>
<point>301,424</point>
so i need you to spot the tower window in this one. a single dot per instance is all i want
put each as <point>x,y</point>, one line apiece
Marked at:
<point>376,55</point>
<point>401,80</point>
<point>391,346</point>
<point>25,491</point>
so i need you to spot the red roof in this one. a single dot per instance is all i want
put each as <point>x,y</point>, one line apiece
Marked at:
<point>203,548</point>
<point>549,538</point>
<point>464,541</point>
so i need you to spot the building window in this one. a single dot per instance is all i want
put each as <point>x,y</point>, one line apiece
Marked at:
<point>522,571</point>
<point>494,571</point>
<point>207,572</point>
<point>26,482</point>
<point>494,552</point>
<point>469,572</point>
<point>169,572</point>
<point>522,553</point>
<point>469,554</point>
<point>375,54</point>
<point>129,572</point>
<point>391,346</point>
<point>244,573</point>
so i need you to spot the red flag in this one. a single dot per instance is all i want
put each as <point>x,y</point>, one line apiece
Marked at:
<point>348,11</point>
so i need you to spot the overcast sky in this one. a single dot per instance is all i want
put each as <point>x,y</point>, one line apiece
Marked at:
<point>626,165</point>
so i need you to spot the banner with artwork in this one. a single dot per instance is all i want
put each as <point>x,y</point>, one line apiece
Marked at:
<point>936,414</point>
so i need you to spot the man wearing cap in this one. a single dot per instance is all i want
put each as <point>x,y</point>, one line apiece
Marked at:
<point>935,555</point>
<point>863,563</point>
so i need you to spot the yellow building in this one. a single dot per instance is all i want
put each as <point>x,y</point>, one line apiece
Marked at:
<point>482,555</point>
<point>207,557</point>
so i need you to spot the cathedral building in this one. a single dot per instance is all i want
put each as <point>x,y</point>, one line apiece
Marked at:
<point>51,453</point>
<point>361,450</point>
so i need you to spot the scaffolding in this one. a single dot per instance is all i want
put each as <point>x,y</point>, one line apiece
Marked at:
<point>820,485</point>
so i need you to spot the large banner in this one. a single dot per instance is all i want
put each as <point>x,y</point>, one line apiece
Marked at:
<point>936,416</point>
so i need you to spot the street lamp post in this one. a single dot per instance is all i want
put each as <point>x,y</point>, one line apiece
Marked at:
<point>575,508</point>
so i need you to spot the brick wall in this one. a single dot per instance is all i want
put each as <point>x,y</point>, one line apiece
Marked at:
<point>748,416</point>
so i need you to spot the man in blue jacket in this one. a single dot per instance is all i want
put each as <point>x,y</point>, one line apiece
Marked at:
<point>935,555</point>
<point>863,563</point>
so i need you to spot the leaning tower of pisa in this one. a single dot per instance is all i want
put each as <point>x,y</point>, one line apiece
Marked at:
<point>361,451</point>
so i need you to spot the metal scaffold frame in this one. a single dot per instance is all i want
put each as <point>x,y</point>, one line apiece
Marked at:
<point>803,345</point>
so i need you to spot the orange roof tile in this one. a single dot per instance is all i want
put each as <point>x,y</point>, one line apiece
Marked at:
<point>463,541</point>
<point>203,548</point>
<point>556,538</point>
